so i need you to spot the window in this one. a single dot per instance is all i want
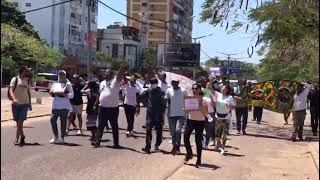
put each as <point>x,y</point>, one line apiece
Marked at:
<point>28,4</point>
<point>73,15</point>
<point>115,50</point>
<point>15,4</point>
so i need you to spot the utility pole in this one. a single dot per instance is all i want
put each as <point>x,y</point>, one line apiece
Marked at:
<point>228,73</point>
<point>89,39</point>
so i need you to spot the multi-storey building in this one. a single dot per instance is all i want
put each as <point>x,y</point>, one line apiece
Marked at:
<point>64,26</point>
<point>121,42</point>
<point>176,13</point>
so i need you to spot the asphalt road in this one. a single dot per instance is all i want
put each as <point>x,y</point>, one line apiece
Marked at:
<point>78,159</point>
<point>34,94</point>
<point>264,153</point>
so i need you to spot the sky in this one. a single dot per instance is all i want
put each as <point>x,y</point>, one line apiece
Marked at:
<point>219,42</point>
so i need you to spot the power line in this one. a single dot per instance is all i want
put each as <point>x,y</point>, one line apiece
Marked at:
<point>37,9</point>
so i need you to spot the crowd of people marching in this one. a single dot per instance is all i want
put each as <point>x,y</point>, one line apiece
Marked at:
<point>213,117</point>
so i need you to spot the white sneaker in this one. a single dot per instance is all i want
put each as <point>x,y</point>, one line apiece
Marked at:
<point>79,132</point>
<point>54,141</point>
<point>222,151</point>
<point>61,141</point>
<point>128,133</point>
<point>131,133</point>
<point>67,132</point>
<point>170,142</point>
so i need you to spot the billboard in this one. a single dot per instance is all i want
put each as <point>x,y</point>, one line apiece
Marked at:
<point>178,54</point>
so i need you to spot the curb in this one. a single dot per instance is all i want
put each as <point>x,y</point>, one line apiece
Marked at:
<point>314,156</point>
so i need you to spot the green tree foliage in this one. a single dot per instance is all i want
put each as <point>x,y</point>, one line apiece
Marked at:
<point>21,43</point>
<point>17,47</point>
<point>11,16</point>
<point>148,61</point>
<point>288,31</point>
<point>113,62</point>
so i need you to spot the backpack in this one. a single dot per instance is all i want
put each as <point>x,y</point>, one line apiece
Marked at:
<point>14,87</point>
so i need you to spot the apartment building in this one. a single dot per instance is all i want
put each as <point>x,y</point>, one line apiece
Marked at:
<point>121,42</point>
<point>177,13</point>
<point>64,26</point>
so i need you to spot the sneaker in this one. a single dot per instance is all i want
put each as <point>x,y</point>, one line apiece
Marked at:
<point>156,148</point>
<point>54,141</point>
<point>79,133</point>
<point>178,151</point>
<point>244,132</point>
<point>22,142</point>
<point>173,151</point>
<point>170,142</point>
<point>238,132</point>
<point>61,141</point>
<point>222,151</point>
<point>198,163</point>
<point>67,132</point>
<point>127,133</point>
<point>146,150</point>
<point>188,157</point>
<point>95,144</point>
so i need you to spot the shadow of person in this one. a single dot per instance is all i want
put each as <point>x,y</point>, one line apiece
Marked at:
<point>31,144</point>
<point>122,148</point>
<point>68,144</point>
<point>206,166</point>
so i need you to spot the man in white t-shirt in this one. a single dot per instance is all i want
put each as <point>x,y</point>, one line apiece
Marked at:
<point>176,116</point>
<point>109,105</point>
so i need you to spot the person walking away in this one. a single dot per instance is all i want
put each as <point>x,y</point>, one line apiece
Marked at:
<point>257,114</point>
<point>61,92</point>
<point>224,103</point>
<point>299,109</point>
<point>175,97</point>
<point>19,94</point>
<point>196,121</point>
<point>109,105</point>
<point>92,91</point>
<point>76,103</point>
<point>241,107</point>
<point>131,95</point>
<point>155,108</point>
<point>314,108</point>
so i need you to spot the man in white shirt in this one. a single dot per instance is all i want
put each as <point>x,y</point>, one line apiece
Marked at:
<point>175,96</point>
<point>299,109</point>
<point>109,105</point>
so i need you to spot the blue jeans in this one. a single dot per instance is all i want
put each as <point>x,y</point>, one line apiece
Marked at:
<point>63,114</point>
<point>176,124</point>
<point>19,112</point>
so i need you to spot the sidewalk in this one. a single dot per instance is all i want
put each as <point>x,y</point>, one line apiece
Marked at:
<point>43,109</point>
<point>264,153</point>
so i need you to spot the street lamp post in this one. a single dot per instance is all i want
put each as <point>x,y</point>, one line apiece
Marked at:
<point>196,38</point>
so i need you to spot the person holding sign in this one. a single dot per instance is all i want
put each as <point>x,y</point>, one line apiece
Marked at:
<point>224,103</point>
<point>197,109</point>
<point>61,92</point>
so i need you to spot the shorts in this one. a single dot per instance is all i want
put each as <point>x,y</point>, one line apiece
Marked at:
<point>19,112</point>
<point>77,109</point>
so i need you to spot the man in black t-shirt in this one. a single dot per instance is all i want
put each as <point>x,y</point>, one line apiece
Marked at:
<point>76,103</point>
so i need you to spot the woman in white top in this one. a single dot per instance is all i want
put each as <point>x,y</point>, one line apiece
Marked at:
<point>224,103</point>
<point>196,121</point>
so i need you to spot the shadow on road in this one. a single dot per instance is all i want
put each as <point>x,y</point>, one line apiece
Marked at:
<point>123,148</point>
<point>69,144</point>
<point>206,166</point>
<point>32,144</point>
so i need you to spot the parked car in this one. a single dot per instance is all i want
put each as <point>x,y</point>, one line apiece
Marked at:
<point>46,83</point>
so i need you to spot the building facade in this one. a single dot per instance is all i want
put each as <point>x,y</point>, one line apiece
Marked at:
<point>121,42</point>
<point>64,26</point>
<point>177,13</point>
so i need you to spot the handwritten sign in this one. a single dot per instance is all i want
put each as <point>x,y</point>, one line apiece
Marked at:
<point>192,103</point>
